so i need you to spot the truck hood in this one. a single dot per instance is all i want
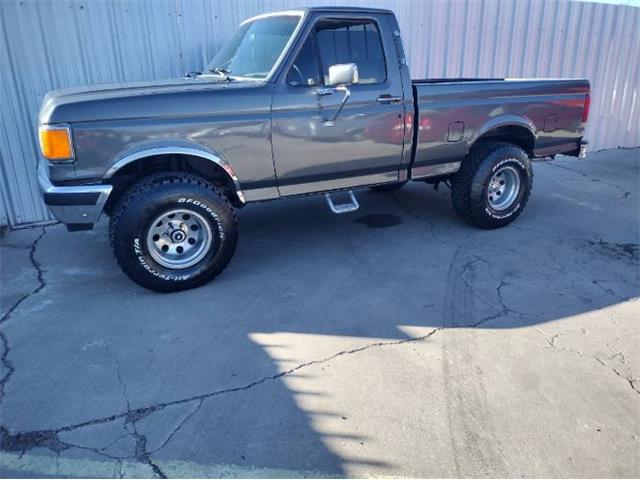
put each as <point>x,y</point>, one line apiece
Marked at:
<point>134,99</point>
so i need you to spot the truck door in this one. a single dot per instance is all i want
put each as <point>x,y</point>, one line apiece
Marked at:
<point>364,143</point>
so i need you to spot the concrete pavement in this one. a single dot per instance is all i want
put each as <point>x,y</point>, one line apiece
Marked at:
<point>395,341</point>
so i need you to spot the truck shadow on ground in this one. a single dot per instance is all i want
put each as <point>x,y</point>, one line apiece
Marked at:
<point>204,376</point>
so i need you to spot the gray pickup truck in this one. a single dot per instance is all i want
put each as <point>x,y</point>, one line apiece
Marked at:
<point>316,100</point>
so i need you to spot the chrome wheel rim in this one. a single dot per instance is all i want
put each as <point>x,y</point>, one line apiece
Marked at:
<point>179,238</point>
<point>503,188</point>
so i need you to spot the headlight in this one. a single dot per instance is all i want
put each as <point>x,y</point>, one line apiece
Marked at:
<point>55,142</point>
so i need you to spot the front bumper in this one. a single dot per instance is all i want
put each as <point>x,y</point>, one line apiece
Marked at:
<point>73,205</point>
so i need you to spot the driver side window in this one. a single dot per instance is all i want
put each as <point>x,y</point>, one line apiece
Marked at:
<point>305,70</point>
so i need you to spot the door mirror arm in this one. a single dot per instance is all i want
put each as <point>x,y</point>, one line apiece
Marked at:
<point>340,76</point>
<point>347,94</point>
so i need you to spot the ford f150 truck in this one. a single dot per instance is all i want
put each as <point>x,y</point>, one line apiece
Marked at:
<point>315,100</point>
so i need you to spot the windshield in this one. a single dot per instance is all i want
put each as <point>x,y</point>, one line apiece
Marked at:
<point>254,49</point>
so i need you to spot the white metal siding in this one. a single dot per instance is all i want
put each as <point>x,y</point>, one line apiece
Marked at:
<point>47,44</point>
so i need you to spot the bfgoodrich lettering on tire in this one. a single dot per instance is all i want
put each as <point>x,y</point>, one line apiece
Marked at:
<point>173,231</point>
<point>493,184</point>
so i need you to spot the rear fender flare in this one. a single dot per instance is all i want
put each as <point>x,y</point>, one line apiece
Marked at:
<point>503,121</point>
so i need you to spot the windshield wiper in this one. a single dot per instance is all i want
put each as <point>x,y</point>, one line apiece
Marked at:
<point>223,72</point>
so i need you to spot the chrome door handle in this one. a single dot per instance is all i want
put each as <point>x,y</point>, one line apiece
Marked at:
<point>387,99</point>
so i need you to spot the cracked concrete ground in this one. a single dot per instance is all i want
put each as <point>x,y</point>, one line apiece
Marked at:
<point>395,341</point>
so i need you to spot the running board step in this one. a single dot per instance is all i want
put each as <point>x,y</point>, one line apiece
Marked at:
<point>343,207</point>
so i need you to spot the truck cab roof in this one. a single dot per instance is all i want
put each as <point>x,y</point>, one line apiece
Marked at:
<point>342,9</point>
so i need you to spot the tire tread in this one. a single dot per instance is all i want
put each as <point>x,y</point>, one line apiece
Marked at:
<point>140,190</point>
<point>464,181</point>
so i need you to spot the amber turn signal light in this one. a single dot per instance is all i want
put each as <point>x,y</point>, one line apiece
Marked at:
<point>55,142</point>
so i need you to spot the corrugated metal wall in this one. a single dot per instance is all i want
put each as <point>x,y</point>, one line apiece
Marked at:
<point>47,44</point>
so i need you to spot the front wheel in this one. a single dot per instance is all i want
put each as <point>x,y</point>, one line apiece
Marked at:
<point>493,184</point>
<point>173,232</point>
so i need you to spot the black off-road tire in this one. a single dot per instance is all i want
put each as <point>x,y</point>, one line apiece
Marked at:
<point>469,186</point>
<point>150,197</point>
<point>387,187</point>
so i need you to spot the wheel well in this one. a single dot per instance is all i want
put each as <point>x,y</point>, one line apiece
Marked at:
<point>515,134</point>
<point>154,164</point>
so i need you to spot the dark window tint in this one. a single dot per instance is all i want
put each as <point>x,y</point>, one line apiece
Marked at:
<point>304,70</point>
<point>352,41</point>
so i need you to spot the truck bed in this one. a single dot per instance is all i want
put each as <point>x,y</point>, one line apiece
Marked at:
<point>416,81</point>
<point>544,115</point>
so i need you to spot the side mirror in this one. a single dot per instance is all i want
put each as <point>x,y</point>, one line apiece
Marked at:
<point>343,74</point>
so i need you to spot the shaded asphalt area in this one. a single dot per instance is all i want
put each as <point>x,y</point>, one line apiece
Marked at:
<point>395,341</point>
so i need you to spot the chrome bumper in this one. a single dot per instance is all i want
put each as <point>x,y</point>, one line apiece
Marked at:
<point>78,204</point>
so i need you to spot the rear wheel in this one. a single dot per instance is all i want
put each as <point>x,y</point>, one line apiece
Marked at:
<point>493,184</point>
<point>173,232</point>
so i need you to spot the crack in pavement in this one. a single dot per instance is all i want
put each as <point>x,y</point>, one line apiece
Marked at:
<point>141,452</point>
<point>177,429</point>
<point>6,347</point>
<point>629,379</point>
<point>630,250</point>
<point>619,251</point>
<point>466,269</point>
<point>409,210</point>
<point>48,439</point>
<point>504,311</point>
<point>24,441</point>
<point>625,193</point>
<point>551,341</point>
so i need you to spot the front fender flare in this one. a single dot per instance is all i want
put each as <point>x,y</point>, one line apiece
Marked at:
<point>177,150</point>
